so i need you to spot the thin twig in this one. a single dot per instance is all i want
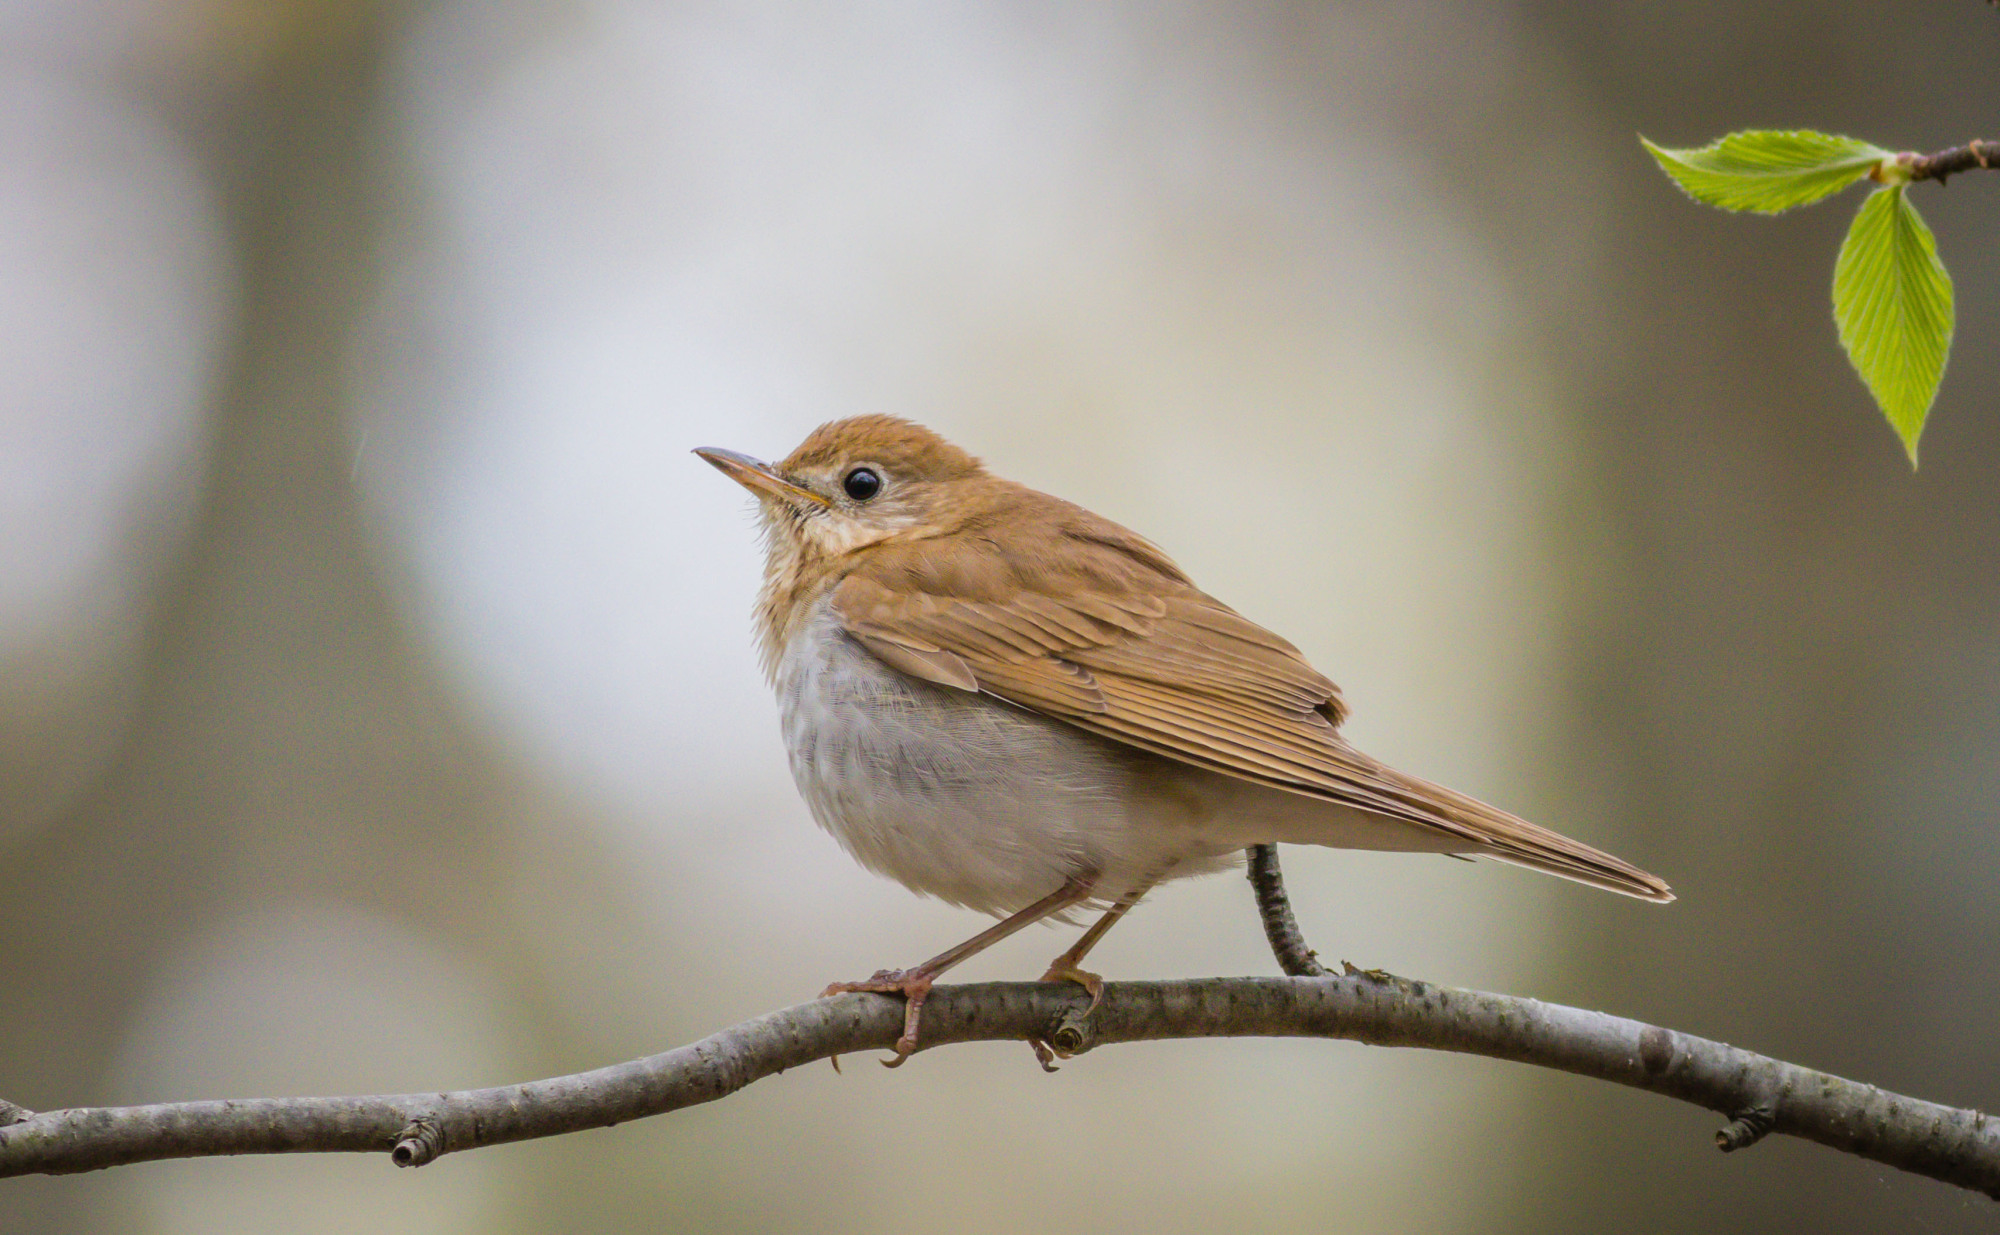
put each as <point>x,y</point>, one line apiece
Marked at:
<point>1288,943</point>
<point>1958,1146</point>
<point>1972,156</point>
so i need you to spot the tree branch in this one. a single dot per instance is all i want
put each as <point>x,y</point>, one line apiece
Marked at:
<point>1948,163</point>
<point>1958,1146</point>
<point>1288,944</point>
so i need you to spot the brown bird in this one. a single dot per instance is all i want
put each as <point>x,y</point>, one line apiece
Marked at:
<point>1003,700</point>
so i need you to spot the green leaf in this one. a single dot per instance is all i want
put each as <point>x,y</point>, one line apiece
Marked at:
<point>1892,301</point>
<point>1766,170</point>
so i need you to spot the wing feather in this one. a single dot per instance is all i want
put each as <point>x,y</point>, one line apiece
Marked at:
<point>1157,665</point>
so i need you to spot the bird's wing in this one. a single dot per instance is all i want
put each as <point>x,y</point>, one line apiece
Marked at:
<point>1170,670</point>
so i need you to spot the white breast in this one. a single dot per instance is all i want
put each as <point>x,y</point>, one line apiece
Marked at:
<point>961,796</point>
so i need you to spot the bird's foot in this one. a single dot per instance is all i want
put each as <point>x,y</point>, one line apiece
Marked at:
<point>1094,983</point>
<point>914,985</point>
<point>1047,1052</point>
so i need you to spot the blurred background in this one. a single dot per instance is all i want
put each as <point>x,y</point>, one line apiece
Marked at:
<point>378,708</point>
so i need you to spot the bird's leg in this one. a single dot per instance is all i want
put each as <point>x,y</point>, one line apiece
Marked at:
<point>914,984</point>
<point>1065,968</point>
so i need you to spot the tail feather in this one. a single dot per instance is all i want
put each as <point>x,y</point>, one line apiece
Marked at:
<point>1631,881</point>
<point>1510,839</point>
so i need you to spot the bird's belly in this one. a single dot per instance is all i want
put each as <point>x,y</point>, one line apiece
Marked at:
<point>958,795</point>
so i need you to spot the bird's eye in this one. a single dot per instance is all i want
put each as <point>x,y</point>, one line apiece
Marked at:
<point>862,483</point>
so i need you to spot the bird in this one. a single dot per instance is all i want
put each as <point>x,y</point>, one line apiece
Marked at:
<point>1000,699</point>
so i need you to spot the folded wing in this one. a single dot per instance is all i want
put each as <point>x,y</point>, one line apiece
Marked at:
<point>1134,653</point>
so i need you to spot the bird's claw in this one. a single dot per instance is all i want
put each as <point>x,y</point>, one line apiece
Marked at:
<point>913,986</point>
<point>1045,1054</point>
<point>1091,982</point>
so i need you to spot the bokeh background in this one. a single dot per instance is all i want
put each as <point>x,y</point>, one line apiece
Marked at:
<point>377,704</point>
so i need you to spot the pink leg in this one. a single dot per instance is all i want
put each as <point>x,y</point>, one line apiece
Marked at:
<point>914,985</point>
<point>1068,966</point>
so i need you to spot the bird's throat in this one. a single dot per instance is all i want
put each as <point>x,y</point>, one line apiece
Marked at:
<point>796,577</point>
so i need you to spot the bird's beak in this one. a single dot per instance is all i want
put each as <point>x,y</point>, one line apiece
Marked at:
<point>759,478</point>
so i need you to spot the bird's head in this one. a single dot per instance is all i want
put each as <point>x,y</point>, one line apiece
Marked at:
<point>856,483</point>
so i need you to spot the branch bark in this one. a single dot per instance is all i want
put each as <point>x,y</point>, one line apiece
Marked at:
<point>1957,1146</point>
<point>1288,943</point>
<point>1944,164</point>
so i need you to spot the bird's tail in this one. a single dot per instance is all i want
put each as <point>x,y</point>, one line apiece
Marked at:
<point>1507,838</point>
